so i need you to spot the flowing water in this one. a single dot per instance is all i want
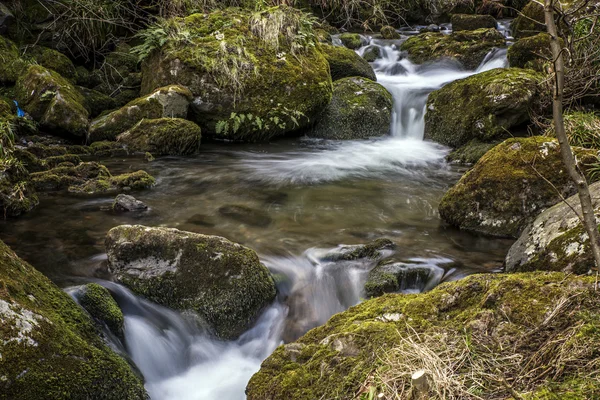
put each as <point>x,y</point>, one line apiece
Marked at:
<point>309,197</point>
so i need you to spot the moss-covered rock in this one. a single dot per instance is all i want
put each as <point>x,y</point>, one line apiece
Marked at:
<point>509,186</point>
<point>468,47</point>
<point>344,63</point>
<point>530,21</point>
<point>52,101</point>
<point>531,52</point>
<point>388,32</point>
<point>490,104</point>
<point>459,327</point>
<point>371,53</point>
<point>51,59</point>
<point>11,65</point>
<point>96,102</point>
<point>248,83</point>
<point>470,22</point>
<point>17,196</point>
<point>222,281</point>
<point>351,40</point>
<point>373,250</point>
<point>359,109</point>
<point>555,240</point>
<point>50,347</point>
<point>583,129</point>
<point>390,276</point>
<point>99,303</point>
<point>471,152</point>
<point>167,102</point>
<point>164,136</point>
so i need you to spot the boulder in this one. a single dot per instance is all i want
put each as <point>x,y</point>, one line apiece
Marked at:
<point>344,63</point>
<point>359,109</point>
<point>490,103</point>
<point>51,59</point>
<point>96,102</point>
<point>392,277</point>
<point>471,152</point>
<point>531,52</point>
<point>470,22</point>
<point>223,282</point>
<point>52,101</point>
<point>530,21</point>
<point>50,347</point>
<point>125,202</point>
<point>163,136</point>
<point>371,53</point>
<point>509,186</point>
<point>351,40</point>
<point>555,240</point>
<point>441,330</point>
<point>98,302</point>
<point>166,102</point>
<point>373,250</point>
<point>468,47</point>
<point>248,83</point>
<point>388,32</point>
<point>12,65</point>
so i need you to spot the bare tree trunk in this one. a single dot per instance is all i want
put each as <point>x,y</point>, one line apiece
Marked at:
<point>589,219</point>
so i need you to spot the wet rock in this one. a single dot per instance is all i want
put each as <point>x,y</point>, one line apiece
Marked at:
<point>431,28</point>
<point>99,303</point>
<point>388,32</point>
<point>469,22</point>
<point>372,250</point>
<point>163,136</point>
<point>359,109</point>
<point>491,104</point>
<point>371,54</point>
<point>471,152</point>
<point>508,187</point>
<point>167,102</point>
<point>351,40</point>
<point>555,240</point>
<point>345,63</point>
<point>531,52</point>
<point>392,277</point>
<point>50,346</point>
<point>246,215</point>
<point>222,281</point>
<point>125,202</point>
<point>468,47</point>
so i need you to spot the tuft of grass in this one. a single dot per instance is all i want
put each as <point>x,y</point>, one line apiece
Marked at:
<point>7,139</point>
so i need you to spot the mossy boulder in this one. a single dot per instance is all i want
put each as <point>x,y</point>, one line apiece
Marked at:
<point>52,101</point>
<point>11,65</point>
<point>471,152</point>
<point>490,103</point>
<point>96,102</point>
<point>509,186</point>
<point>470,22</point>
<point>99,303</point>
<point>376,346</point>
<point>583,129</point>
<point>530,21</point>
<point>248,84</point>
<point>359,109</point>
<point>163,136</point>
<point>50,347</point>
<point>223,282</point>
<point>371,53</point>
<point>531,52</point>
<point>51,59</point>
<point>166,102</point>
<point>388,32</point>
<point>351,40</point>
<point>390,276</point>
<point>555,240</point>
<point>468,47</point>
<point>344,63</point>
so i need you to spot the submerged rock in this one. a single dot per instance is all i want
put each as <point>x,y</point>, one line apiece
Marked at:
<point>490,103</point>
<point>555,240</point>
<point>372,250</point>
<point>50,347</point>
<point>468,47</point>
<point>99,303</point>
<point>344,63</point>
<point>509,186</point>
<point>166,102</point>
<point>359,109</point>
<point>163,136</point>
<point>125,202</point>
<point>392,336</point>
<point>390,277</point>
<point>470,22</point>
<point>222,281</point>
<point>246,215</point>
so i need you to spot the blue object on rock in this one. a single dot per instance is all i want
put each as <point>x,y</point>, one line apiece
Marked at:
<point>20,113</point>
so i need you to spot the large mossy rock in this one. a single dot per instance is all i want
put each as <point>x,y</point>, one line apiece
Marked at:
<point>50,347</point>
<point>555,240</point>
<point>248,83</point>
<point>509,186</point>
<point>51,59</point>
<point>359,109</point>
<point>531,52</point>
<point>468,47</point>
<point>99,303</point>
<point>351,40</point>
<point>470,22</point>
<point>11,64</point>
<point>344,63</point>
<point>163,136</point>
<point>456,328</point>
<point>222,281</point>
<point>389,32</point>
<point>166,102</point>
<point>530,21</point>
<point>490,104</point>
<point>52,101</point>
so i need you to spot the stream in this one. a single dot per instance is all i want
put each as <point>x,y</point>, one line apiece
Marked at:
<point>309,197</point>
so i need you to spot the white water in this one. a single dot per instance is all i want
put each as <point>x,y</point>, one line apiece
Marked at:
<point>181,361</point>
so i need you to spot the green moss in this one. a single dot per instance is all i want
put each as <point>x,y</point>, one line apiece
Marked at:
<point>164,136</point>
<point>11,65</point>
<point>531,52</point>
<point>351,40</point>
<point>96,102</point>
<point>344,63</point>
<point>98,301</point>
<point>50,347</point>
<point>388,32</point>
<point>389,277</point>
<point>61,178</point>
<point>372,53</point>
<point>52,162</point>
<point>51,59</point>
<point>491,103</point>
<point>468,22</point>
<point>530,22</point>
<point>468,47</point>
<point>134,180</point>
<point>583,129</point>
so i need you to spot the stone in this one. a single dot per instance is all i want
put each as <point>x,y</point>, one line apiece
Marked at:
<point>125,202</point>
<point>163,136</point>
<point>470,22</point>
<point>344,63</point>
<point>98,302</point>
<point>388,32</point>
